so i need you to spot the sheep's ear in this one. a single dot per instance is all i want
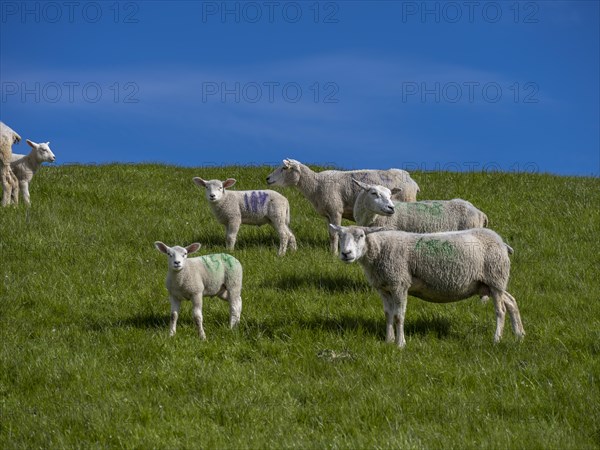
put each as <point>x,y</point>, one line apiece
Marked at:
<point>228,182</point>
<point>370,230</point>
<point>161,247</point>
<point>286,163</point>
<point>193,247</point>
<point>199,181</point>
<point>362,185</point>
<point>335,228</point>
<point>32,144</point>
<point>396,190</point>
<point>48,143</point>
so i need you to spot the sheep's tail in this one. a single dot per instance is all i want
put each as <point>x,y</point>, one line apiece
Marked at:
<point>509,248</point>
<point>287,215</point>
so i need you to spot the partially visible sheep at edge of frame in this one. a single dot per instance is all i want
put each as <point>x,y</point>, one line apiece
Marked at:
<point>435,267</point>
<point>332,192</point>
<point>25,166</point>
<point>217,275</point>
<point>10,183</point>
<point>374,207</point>
<point>233,208</point>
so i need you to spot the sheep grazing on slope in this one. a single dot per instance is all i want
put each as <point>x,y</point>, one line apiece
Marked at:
<point>209,275</point>
<point>333,193</point>
<point>10,183</point>
<point>233,208</point>
<point>25,166</point>
<point>374,207</point>
<point>435,267</point>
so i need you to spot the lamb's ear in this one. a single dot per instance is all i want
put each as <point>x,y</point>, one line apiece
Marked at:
<point>199,181</point>
<point>362,185</point>
<point>335,228</point>
<point>396,190</point>
<point>228,182</point>
<point>369,230</point>
<point>286,163</point>
<point>193,247</point>
<point>161,247</point>
<point>32,144</point>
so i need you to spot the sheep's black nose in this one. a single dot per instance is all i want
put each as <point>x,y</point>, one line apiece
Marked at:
<point>345,253</point>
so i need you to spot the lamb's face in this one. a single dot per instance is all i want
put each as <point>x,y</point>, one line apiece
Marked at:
<point>42,152</point>
<point>379,200</point>
<point>214,190</point>
<point>177,255</point>
<point>288,174</point>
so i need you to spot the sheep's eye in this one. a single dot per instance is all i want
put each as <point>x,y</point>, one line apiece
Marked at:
<point>374,194</point>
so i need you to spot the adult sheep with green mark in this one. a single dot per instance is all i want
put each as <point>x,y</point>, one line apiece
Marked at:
<point>435,267</point>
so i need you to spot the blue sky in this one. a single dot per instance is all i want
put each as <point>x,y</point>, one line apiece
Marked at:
<point>410,84</point>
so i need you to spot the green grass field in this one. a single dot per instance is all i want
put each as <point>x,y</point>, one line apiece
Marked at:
<point>86,360</point>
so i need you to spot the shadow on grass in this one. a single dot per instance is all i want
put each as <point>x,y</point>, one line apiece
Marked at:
<point>339,282</point>
<point>247,239</point>
<point>147,321</point>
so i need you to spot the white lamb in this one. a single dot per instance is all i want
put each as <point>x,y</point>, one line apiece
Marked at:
<point>211,275</point>
<point>10,183</point>
<point>435,267</point>
<point>374,207</point>
<point>233,208</point>
<point>332,192</point>
<point>25,166</point>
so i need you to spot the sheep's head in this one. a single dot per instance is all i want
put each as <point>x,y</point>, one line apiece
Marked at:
<point>214,189</point>
<point>288,174</point>
<point>42,151</point>
<point>353,243</point>
<point>377,199</point>
<point>177,255</point>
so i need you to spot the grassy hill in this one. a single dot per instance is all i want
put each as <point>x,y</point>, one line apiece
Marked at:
<point>86,360</point>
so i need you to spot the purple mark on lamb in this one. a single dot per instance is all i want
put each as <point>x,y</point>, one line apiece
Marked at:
<point>255,201</point>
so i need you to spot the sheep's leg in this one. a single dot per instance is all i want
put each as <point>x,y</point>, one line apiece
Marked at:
<point>235,310</point>
<point>282,231</point>
<point>6,186</point>
<point>175,304</point>
<point>197,314</point>
<point>498,295</point>
<point>388,310</point>
<point>515,315</point>
<point>14,184</point>
<point>231,234</point>
<point>335,219</point>
<point>399,300</point>
<point>292,239</point>
<point>25,190</point>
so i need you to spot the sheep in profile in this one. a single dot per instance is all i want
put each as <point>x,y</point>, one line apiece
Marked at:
<point>209,275</point>
<point>374,207</point>
<point>10,184</point>
<point>233,208</point>
<point>435,267</point>
<point>333,193</point>
<point>25,166</point>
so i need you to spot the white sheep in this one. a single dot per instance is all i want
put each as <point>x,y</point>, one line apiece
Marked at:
<point>233,208</point>
<point>209,275</point>
<point>10,183</point>
<point>435,267</point>
<point>25,166</point>
<point>374,207</point>
<point>332,192</point>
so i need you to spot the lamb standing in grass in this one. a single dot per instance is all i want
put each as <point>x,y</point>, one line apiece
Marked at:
<point>211,275</point>
<point>25,166</point>
<point>435,267</point>
<point>333,193</point>
<point>233,208</point>
<point>374,207</point>
<point>10,184</point>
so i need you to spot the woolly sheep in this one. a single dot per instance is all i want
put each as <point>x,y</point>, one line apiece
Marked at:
<point>374,207</point>
<point>435,267</point>
<point>233,208</point>
<point>10,184</point>
<point>209,275</point>
<point>25,166</point>
<point>332,192</point>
